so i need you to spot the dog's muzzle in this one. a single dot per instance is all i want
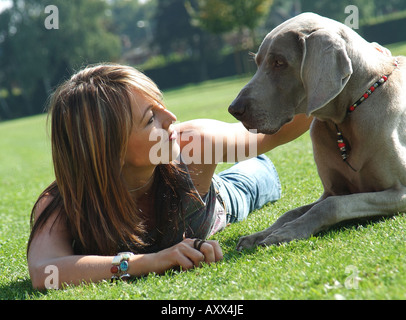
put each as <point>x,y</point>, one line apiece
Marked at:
<point>238,107</point>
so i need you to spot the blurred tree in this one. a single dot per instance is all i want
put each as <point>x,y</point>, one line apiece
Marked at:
<point>389,6</point>
<point>133,21</point>
<point>174,31</point>
<point>33,59</point>
<point>222,16</point>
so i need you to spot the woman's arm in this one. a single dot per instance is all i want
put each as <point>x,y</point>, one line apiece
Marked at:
<point>205,143</point>
<point>51,249</point>
<point>290,131</point>
<point>248,144</point>
<point>209,142</point>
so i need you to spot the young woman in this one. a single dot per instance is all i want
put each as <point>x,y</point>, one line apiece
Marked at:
<point>114,192</point>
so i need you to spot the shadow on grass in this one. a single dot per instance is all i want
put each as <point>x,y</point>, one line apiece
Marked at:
<point>354,224</point>
<point>20,289</point>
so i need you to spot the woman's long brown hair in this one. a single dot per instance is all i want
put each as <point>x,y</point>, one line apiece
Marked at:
<point>91,120</point>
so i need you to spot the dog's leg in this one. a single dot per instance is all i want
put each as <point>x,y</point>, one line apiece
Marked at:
<point>253,239</point>
<point>336,209</point>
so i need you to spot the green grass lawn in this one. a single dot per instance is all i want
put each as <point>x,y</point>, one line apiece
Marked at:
<point>358,261</point>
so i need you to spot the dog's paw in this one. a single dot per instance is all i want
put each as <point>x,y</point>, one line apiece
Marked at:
<point>283,235</point>
<point>248,242</point>
<point>275,239</point>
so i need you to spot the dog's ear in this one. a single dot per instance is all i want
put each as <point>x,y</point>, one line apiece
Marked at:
<point>326,67</point>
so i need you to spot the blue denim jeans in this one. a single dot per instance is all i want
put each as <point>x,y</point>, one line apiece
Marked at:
<point>247,186</point>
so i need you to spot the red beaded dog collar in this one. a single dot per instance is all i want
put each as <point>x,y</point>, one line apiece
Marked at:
<point>340,139</point>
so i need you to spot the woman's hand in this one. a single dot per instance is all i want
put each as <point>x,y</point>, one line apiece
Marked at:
<point>185,255</point>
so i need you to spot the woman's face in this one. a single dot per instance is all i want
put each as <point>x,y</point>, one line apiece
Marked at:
<point>152,139</point>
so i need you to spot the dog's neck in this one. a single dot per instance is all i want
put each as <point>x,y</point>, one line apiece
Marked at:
<point>371,65</point>
<point>340,139</point>
<point>363,75</point>
<point>371,62</point>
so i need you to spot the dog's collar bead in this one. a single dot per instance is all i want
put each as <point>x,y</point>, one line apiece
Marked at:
<point>343,148</point>
<point>366,95</point>
<point>340,139</point>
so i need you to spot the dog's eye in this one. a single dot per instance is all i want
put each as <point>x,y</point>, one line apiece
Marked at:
<point>278,63</point>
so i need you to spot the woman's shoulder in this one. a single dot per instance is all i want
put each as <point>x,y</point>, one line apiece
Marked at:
<point>47,200</point>
<point>42,203</point>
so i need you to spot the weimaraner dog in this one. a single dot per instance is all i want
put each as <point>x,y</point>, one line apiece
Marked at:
<point>357,96</point>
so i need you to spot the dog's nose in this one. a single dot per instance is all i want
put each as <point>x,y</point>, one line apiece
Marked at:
<point>237,107</point>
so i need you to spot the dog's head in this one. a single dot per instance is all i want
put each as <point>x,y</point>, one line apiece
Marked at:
<point>302,65</point>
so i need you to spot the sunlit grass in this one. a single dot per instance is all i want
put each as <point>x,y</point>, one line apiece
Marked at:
<point>364,261</point>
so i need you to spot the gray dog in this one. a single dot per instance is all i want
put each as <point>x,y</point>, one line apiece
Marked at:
<point>357,96</point>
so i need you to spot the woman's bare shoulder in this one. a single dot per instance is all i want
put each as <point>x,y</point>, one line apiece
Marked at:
<point>43,202</point>
<point>51,230</point>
